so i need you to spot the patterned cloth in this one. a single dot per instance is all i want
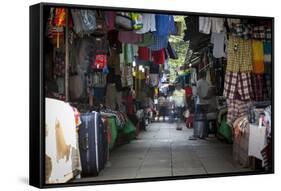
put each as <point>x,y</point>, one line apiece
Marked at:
<point>159,42</point>
<point>268,34</point>
<point>259,87</point>
<point>267,78</point>
<point>258,56</point>
<point>236,109</point>
<point>259,32</point>
<point>239,55</point>
<point>242,30</point>
<point>238,86</point>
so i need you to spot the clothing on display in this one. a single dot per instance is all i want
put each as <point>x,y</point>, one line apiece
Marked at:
<point>258,56</point>
<point>127,69</point>
<point>239,55</point>
<point>219,40</point>
<point>238,86</point>
<point>149,23</point>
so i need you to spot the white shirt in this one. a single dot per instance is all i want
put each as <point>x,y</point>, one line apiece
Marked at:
<point>179,98</point>
<point>148,21</point>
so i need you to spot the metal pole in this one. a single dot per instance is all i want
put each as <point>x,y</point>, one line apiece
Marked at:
<point>66,57</point>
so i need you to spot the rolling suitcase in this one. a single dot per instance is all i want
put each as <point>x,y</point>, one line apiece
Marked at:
<point>91,144</point>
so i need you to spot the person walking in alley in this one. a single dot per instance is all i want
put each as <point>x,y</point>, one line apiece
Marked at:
<point>179,99</point>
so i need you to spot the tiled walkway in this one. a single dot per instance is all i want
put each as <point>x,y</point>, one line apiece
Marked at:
<point>164,151</point>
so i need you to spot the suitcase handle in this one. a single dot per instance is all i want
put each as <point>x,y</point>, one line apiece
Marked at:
<point>85,142</point>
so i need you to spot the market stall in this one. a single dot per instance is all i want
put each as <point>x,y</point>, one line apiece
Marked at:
<point>114,68</point>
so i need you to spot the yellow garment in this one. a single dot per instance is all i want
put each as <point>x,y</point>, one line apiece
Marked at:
<point>258,57</point>
<point>239,55</point>
<point>140,75</point>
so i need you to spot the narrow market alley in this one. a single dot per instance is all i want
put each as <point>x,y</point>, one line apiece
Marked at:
<point>162,151</point>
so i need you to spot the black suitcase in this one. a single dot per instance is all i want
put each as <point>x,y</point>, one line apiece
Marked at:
<point>92,143</point>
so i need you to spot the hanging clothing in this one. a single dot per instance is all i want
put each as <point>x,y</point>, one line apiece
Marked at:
<point>259,87</point>
<point>127,55</point>
<point>129,37</point>
<point>258,59</point>
<point>149,23</point>
<point>219,40</point>
<point>239,55</point>
<point>114,61</point>
<point>231,22</point>
<point>238,86</point>
<point>165,25</point>
<point>158,57</point>
<point>110,18</point>
<point>143,53</point>
<point>267,57</point>
<point>112,37</point>
<point>217,25</point>
<point>242,30</point>
<point>205,25</point>
<point>159,42</point>
<point>148,39</point>
<point>211,24</point>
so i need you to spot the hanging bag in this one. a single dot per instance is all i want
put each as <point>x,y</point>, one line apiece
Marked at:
<point>88,18</point>
<point>123,21</point>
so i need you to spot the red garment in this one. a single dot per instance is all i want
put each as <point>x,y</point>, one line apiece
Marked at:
<point>110,19</point>
<point>100,61</point>
<point>188,91</point>
<point>158,57</point>
<point>129,37</point>
<point>143,53</point>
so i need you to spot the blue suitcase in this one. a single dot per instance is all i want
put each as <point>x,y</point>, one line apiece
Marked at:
<point>92,144</point>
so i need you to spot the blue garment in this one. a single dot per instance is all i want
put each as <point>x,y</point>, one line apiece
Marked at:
<point>165,25</point>
<point>172,27</point>
<point>159,42</point>
<point>267,57</point>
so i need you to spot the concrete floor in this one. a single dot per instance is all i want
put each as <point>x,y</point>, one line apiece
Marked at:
<point>164,151</point>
